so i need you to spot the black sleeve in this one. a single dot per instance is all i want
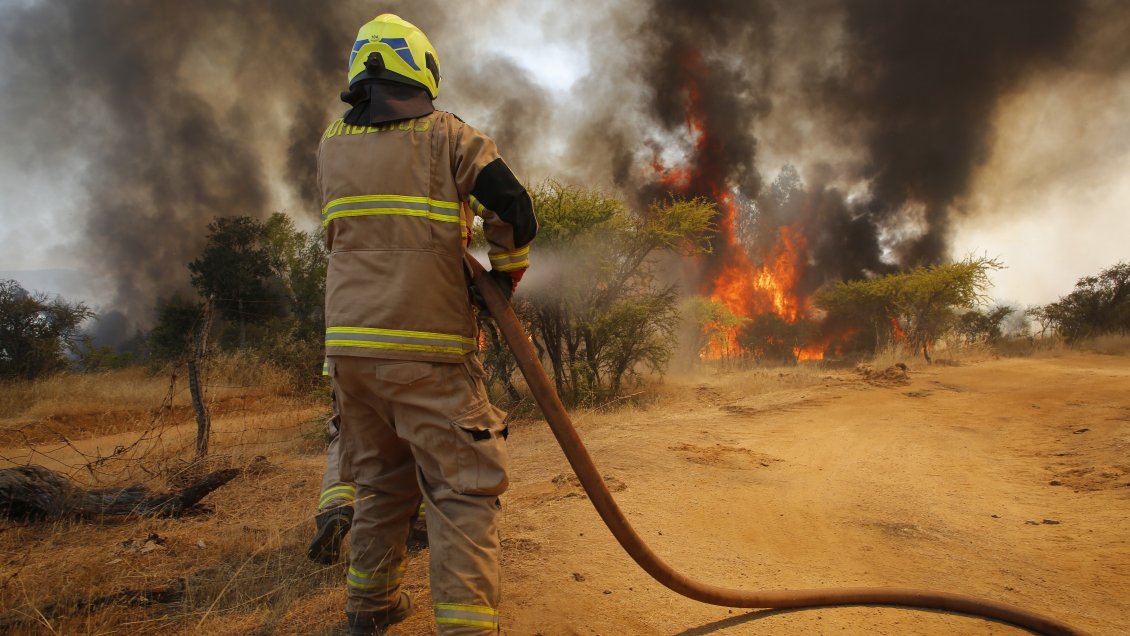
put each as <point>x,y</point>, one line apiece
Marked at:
<point>499,190</point>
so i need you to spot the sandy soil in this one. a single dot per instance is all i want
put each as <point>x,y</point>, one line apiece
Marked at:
<point>1008,479</point>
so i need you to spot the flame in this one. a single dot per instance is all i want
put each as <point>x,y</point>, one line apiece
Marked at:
<point>749,290</point>
<point>746,288</point>
<point>675,179</point>
<point>896,328</point>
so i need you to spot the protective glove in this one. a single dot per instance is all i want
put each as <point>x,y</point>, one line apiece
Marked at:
<point>506,284</point>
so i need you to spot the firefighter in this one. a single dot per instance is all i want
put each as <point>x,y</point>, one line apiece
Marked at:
<point>400,184</point>
<point>335,504</point>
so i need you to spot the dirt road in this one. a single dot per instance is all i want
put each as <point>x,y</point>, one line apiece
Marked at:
<point>1008,479</point>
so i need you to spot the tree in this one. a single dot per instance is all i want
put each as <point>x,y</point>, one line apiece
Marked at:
<point>297,261</point>
<point>715,326</point>
<point>269,280</point>
<point>984,326</point>
<point>593,305</point>
<point>92,358</point>
<point>176,322</point>
<point>1098,304</point>
<point>235,271</point>
<point>769,337</point>
<point>36,331</point>
<point>918,306</point>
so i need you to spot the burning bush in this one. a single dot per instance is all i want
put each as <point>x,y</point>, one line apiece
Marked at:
<point>770,338</point>
<point>914,308</point>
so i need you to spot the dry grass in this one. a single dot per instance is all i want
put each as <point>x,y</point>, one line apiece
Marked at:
<point>226,375</point>
<point>131,425</point>
<point>243,565</point>
<point>891,354</point>
<point>69,393</point>
<point>1111,344</point>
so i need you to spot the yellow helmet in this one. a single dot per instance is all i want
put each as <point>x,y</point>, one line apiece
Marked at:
<point>394,49</point>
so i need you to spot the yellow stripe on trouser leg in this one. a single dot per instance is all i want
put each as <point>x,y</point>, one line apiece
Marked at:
<point>466,615</point>
<point>383,581</point>
<point>339,495</point>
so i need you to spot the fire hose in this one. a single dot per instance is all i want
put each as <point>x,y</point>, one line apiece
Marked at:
<point>583,466</point>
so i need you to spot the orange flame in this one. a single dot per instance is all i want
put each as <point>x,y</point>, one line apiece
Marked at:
<point>745,288</point>
<point>900,333</point>
<point>749,290</point>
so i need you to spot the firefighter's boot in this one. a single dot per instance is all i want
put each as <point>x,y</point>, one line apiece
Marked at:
<point>375,623</point>
<point>332,526</point>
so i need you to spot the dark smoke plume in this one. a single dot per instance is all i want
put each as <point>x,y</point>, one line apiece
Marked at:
<point>925,81</point>
<point>175,113</point>
<point>916,84</point>
<point>180,112</point>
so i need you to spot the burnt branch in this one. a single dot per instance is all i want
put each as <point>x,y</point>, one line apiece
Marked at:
<point>35,493</point>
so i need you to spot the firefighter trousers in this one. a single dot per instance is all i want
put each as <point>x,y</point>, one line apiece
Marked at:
<point>335,492</point>
<point>412,429</point>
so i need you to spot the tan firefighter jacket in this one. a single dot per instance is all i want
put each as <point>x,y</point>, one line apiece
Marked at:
<point>398,201</point>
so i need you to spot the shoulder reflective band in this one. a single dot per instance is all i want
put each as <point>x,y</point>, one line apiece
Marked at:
<point>509,261</point>
<point>342,493</point>
<point>382,580</point>
<point>469,615</point>
<point>391,204</point>
<point>370,338</point>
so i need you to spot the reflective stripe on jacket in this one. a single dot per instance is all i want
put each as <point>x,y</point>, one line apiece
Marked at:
<point>397,202</point>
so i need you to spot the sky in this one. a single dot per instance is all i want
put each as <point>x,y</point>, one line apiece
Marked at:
<point>1051,199</point>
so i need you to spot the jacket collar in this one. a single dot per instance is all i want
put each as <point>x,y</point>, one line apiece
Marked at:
<point>376,101</point>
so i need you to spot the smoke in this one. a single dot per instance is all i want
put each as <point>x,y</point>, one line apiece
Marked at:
<point>888,107</point>
<point>925,82</point>
<point>177,113</point>
<point>167,115</point>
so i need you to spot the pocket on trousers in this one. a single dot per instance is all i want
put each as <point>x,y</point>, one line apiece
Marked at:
<point>403,373</point>
<point>482,462</point>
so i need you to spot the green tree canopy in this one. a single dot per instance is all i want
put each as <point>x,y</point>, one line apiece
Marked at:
<point>921,304</point>
<point>234,271</point>
<point>171,336</point>
<point>1098,304</point>
<point>592,302</point>
<point>976,325</point>
<point>36,331</point>
<point>267,281</point>
<point>771,338</point>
